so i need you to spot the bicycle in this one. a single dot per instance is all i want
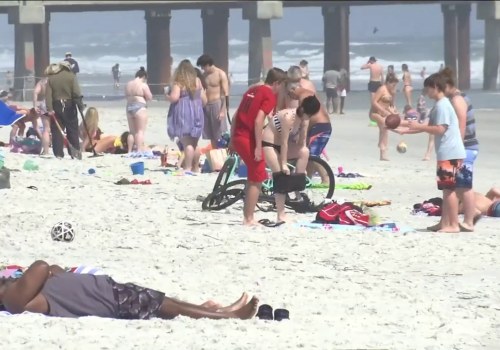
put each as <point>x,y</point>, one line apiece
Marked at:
<point>225,192</point>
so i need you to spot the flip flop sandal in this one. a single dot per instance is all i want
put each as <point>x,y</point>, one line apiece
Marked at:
<point>33,188</point>
<point>146,182</point>
<point>134,182</point>
<point>123,181</point>
<point>269,223</point>
<point>265,312</point>
<point>281,314</point>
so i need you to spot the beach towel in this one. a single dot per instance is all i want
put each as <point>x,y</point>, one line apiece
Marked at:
<point>16,271</point>
<point>354,186</point>
<point>145,154</point>
<point>7,115</point>
<point>385,227</point>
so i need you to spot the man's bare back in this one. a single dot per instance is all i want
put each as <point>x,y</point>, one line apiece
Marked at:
<point>376,71</point>
<point>484,202</point>
<point>321,116</point>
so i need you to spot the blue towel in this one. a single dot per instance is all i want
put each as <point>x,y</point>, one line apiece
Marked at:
<point>7,115</point>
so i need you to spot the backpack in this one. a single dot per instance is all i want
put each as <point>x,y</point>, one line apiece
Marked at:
<point>343,214</point>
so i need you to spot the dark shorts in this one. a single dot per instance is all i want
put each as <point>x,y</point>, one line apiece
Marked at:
<point>331,93</point>
<point>447,173</point>
<point>374,85</point>
<point>318,137</point>
<point>135,302</point>
<point>494,210</point>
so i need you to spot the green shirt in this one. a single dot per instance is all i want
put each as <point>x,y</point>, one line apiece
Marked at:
<point>61,86</point>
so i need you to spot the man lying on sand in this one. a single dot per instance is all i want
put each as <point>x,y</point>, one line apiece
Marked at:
<point>488,204</point>
<point>51,291</point>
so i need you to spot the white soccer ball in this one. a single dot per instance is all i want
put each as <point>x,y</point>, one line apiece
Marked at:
<point>63,232</point>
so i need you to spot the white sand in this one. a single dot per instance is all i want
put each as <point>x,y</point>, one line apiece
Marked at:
<point>344,290</point>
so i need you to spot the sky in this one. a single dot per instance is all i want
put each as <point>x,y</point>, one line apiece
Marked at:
<point>393,21</point>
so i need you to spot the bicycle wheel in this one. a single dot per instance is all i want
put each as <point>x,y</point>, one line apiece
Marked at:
<point>266,202</point>
<point>320,183</point>
<point>225,196</point>
<point>225,173</point>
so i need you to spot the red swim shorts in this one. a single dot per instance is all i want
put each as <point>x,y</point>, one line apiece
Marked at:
<point>245,147</point>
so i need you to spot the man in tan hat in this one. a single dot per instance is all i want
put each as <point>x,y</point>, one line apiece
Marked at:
<point>73,63</point>
<point>62,97</point>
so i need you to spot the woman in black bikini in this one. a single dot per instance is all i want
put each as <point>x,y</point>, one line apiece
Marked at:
<point>284,138</point>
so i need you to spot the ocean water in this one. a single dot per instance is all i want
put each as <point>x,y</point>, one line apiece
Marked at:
<point>96,55</point>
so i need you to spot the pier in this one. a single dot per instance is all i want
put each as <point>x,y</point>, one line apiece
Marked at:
<point>32,42</point>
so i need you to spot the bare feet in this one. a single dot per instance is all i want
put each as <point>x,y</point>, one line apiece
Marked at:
<point>248,311</point>
<point>426,158</point>
<point>214,306</point>
<point>250,223</point>
<point>449,229</point>
<point>238,304</point>
<point>383,156</point>
<point>282,218</point>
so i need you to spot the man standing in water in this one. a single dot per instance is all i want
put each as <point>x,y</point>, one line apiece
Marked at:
<point>73,63</point>
<point>331,81</point>
<point>217,107</point>
<point>376,74</point>
<point>115,70</point>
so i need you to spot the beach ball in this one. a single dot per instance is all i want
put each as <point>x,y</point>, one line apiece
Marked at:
<point>63,231</point>
<point>401,147</point>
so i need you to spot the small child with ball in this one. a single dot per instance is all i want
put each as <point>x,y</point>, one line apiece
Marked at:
<point>450,151</point>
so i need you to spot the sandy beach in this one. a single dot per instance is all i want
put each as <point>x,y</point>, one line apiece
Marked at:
<point>344,290</point>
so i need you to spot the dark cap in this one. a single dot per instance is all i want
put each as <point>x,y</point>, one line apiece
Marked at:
<point>3,93</point>
<point>372,59</point>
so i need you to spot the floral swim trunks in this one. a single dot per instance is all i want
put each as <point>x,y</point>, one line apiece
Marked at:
<point>448,173</point>
<point>135,302</point>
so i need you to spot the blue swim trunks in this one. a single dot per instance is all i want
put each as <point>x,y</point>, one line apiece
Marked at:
<point>318,137</point>
<point>464,176</point>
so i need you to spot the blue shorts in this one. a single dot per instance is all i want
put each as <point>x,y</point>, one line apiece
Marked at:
<point>464,176</point>
<point>318,137</point>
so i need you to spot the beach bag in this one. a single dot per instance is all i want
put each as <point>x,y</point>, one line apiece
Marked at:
<point>216,158</point>
<point>342,214</point>
<point>283,183</point>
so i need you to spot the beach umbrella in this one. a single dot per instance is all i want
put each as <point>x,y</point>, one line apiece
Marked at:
<point>7,115</point>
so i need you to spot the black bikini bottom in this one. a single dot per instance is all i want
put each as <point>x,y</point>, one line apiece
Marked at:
<point>269,144</point>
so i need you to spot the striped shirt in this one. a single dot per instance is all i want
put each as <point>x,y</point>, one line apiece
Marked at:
<point>470,140</point>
